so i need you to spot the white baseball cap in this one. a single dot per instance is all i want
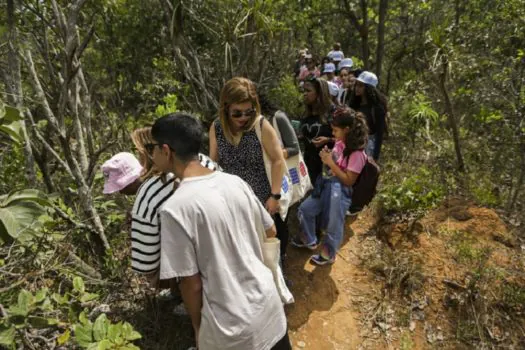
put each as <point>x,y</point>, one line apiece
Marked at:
<point>329,68</point>
<point>368,78</point>
<point>346,63</point>
<point>333,88</point>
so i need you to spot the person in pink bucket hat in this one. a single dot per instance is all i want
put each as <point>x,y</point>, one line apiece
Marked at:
<point>122,174</point>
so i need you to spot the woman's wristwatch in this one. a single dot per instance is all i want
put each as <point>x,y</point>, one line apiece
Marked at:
<point>276,196</point>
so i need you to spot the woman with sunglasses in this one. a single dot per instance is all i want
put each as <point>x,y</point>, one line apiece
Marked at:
<point>234,144</point>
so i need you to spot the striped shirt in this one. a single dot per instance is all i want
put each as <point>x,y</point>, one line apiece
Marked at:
<point>145,224</point>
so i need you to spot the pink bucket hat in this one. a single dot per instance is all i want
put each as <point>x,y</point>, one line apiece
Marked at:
<point>119,171</point>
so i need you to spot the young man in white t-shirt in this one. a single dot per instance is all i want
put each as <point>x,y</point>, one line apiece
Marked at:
<point>209,240</point>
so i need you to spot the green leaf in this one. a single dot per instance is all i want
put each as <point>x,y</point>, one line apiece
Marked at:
<point>83,335</point>
<point>129,333</point>
<point>64,338</point>
<point>7,335</point>
<point>92,346</point>
<point>83,319</point>
<point>40,295</point>
<point>12,114</point>
<point>13,131</point>
<point>25,300</point>
<point>104,345</point>
<point>78,284</point>
<point>59,299</point>
<point>100,327</point>
<point>129,347</point>
<point>38,322</point>
<point>26,195</point>
<point>114,333</point>
<point>8,225</point>
<point>88,297</point>
<point>19,212</point>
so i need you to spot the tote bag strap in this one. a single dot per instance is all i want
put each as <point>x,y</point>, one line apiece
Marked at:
<point>267,163</point>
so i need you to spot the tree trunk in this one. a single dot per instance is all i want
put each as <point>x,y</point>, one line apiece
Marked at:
<point>362,28</point>
<point>365,49</point>
<point>450,114</point>
<point>383,7</point>
<point>14,87</point>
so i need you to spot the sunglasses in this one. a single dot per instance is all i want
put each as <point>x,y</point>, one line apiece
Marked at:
<point>250,113</point>
<point>150,147</point>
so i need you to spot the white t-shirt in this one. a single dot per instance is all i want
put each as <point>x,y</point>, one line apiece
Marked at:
<point>336,55</point>
<point>208,227</point>
<point>145,232</point>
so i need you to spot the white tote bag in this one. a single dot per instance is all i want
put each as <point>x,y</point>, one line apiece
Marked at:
<point>271,250</point>
<point>297,170</point>
<point>286,184</point>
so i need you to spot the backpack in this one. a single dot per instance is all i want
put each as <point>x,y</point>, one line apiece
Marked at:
<point>364,188</point>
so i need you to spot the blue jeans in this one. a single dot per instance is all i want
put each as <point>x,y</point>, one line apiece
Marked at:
<point>333,202</point>
<point>371,145</point>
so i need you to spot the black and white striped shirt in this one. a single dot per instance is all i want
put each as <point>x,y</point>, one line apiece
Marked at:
<point>145,224</point>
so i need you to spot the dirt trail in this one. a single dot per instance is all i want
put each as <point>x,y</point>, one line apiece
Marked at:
<point>325,315</point>
<point>346,305</point>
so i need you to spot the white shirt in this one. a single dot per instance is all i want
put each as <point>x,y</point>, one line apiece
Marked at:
<point>208,227</point>
<point>336,55</point>
<point>145,232</point>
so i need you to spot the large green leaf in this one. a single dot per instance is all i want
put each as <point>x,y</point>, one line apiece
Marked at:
<point>20,211</point>
<point>25,195</point>
<point>13,131</point>
<point>100,327</point>
<point>83,335</point>
<point>19,217</point>
<point>7,335</point>
<point>9,115</point>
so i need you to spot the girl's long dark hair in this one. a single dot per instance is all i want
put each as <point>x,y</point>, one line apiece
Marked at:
<point>374,97</point>
<point>356,122</point>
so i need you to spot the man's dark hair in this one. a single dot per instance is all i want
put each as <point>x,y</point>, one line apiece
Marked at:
<point>181,132</point>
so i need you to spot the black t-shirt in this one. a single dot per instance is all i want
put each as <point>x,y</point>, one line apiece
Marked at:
<point>375,118</point>
<point>312,127</point>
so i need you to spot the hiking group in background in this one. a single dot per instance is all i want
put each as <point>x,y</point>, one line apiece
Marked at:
<point>205,227</point>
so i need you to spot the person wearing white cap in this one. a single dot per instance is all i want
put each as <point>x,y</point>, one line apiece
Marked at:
<point>333,89</point>
<point>346,63</point>
<point>345,67</point>
<point>336,55</point>
<point>368,100</point>
<point>329,72</point>
<point>348,76</point>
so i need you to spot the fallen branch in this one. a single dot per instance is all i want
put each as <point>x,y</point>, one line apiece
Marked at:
<point>83,266</point>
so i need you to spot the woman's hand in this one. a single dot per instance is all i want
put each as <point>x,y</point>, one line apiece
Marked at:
<point>321,141</point>
<point>326,156</point>
<point>272,205</point>
<point>285,153</point>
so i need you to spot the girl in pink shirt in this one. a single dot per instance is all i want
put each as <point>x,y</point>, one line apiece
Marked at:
<point>332,194</point>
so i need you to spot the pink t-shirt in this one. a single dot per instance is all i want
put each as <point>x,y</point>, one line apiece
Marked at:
<point>354,163</point>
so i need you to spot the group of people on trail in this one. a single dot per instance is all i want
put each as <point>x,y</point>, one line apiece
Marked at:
<point>199,223</point>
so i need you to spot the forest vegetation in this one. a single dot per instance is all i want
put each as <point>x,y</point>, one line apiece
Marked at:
<point>77,76</point>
